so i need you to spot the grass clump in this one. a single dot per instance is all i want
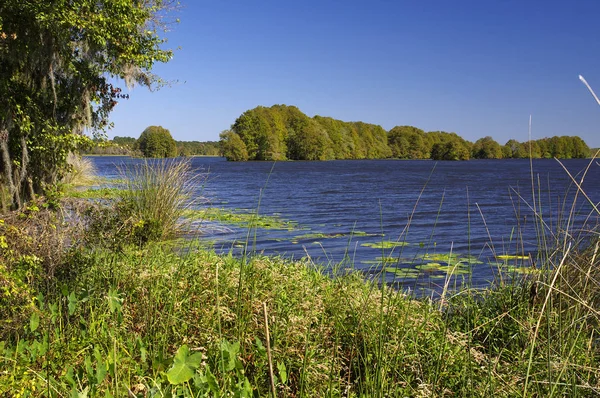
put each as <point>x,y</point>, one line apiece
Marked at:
<point>157,192</point>
<point>81,171</point>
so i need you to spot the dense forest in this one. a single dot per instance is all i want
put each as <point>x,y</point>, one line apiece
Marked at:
<point>283,132</point>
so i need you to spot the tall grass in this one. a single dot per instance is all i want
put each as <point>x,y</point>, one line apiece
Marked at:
<point>81,170</point>
<point>157,193</point>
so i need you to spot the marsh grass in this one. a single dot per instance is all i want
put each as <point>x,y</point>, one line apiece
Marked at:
<point>157,193</point>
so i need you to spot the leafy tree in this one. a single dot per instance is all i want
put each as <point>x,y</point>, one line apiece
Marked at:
<point>340,134</point>
<point>408,142</point>
<point>514,149</point>
<point>194,148</point>
<point>579,148</point>
<point>309,141</point>
<point>232,146</point>
<point>56,59</point>
<point>157,142</point>
<point>486,148</point>
<point>448,146</point>
<point>124,141</point>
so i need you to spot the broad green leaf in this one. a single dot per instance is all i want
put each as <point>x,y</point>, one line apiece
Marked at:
<point>184,366</point>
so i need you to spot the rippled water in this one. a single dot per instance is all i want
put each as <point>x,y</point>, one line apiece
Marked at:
<point>478,208</point>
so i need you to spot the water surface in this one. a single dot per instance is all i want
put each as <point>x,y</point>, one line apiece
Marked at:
<point>479,208</point>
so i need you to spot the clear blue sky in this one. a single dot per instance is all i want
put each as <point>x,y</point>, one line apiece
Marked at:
<point>476,68</point>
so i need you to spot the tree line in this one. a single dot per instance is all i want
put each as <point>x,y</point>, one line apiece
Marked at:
<point>154,142</point>
<point>282,132</point>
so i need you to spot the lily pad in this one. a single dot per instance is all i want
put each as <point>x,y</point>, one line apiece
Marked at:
<point>429,267</point>
<point>386,244</point>
<point>406,273</point>
<point>454,270</point>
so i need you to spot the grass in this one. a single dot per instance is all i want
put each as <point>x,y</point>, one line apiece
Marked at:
<point>157,194</point>
<point>81,171</point>
<point>83,318</point>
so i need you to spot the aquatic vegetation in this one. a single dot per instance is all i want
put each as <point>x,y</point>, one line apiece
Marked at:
<point>451,258</point>
<point>322,235</point>
<point>429,267</point>
<point>244,219</point>
<point>512,257</point>
<point>384,244</point>
<point>457,269</point>
<point>404,273</point>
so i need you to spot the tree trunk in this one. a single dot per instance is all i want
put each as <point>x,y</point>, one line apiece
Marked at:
<point>7,171</point>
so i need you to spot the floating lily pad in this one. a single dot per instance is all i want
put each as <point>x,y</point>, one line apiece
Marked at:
<point>406,273</point>
<point>317,235</point>
<point>441,257</point>
<point>512,257</point>
<point>384,244</point>
<point>451,258</point>
<point>322,235</point>
<point>382,260</point>
<point>429,267</point>
<point>454,270</point>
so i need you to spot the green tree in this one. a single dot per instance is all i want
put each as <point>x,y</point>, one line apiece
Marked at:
<point>486,148</point>
<point>57,62</point>
<point>408,142</point>
<point>124,141</point>
<point>232,146</point>
<point>514,149</point>
<point>448,146</point>
<point>157,142</point>
<point>580,148</point>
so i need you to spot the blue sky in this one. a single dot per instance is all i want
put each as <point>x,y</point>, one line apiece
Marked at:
<point>476,68</point>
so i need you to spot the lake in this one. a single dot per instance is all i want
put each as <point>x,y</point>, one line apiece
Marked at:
<point>420,220</point>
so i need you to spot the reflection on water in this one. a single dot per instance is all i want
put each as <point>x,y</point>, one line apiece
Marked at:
<point>353,212</point>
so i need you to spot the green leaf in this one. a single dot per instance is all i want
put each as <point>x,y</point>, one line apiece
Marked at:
<point>211,380</point>
<point>230,352</point>
<point>262,351</point>
<point>34,321</point>
<point>282,372</point>
<point>72,303</point>
<point>114,301</point>
<point>184,366</point>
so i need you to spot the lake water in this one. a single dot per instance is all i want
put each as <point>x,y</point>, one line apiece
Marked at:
<point>350,213</point>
